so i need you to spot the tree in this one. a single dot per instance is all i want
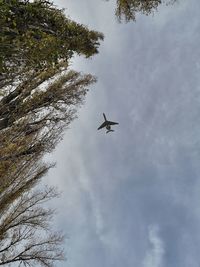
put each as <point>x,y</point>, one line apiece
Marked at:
<point>23,220</point>
<point>32,119</point>
<point>20,177</point>
<point>38,99</point>
<point>32,115</point>
<point>38,35</point>
<point>39,41</point>
<point>127,9</point>
<point>25,233</point>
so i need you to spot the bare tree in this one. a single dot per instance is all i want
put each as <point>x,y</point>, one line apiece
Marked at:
<point>21,177</point>
<point>25,233</point>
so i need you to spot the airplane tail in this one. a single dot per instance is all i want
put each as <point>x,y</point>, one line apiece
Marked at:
<point>104,117</point>
<point>110,131</point>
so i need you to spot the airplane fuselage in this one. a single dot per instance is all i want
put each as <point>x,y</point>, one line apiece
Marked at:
<point>108,127</point>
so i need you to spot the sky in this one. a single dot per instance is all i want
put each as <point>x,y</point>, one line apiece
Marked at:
<point>132,197</point>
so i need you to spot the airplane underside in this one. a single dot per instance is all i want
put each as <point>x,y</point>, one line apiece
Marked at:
<point>107,124</point>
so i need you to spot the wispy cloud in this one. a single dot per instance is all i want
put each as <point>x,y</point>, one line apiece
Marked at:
<point>155,253</point>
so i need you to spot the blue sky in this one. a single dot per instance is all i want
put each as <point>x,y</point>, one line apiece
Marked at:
<point>132,198</point>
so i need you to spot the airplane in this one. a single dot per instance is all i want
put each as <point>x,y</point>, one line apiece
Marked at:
<point>107,124</point>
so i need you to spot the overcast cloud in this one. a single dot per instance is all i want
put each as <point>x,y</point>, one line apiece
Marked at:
<point>132,198</point>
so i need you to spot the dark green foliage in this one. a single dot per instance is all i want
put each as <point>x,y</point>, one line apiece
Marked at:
<point>37,34</point>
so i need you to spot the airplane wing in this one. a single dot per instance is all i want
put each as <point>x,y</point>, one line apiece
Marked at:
<point>104,117</point>
<point>112,122</point>
<point>103,125</point>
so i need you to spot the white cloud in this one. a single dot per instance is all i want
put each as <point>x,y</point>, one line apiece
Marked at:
<point>154,255</point>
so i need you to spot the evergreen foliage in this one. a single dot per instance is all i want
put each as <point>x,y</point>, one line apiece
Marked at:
<point>38,35</point>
